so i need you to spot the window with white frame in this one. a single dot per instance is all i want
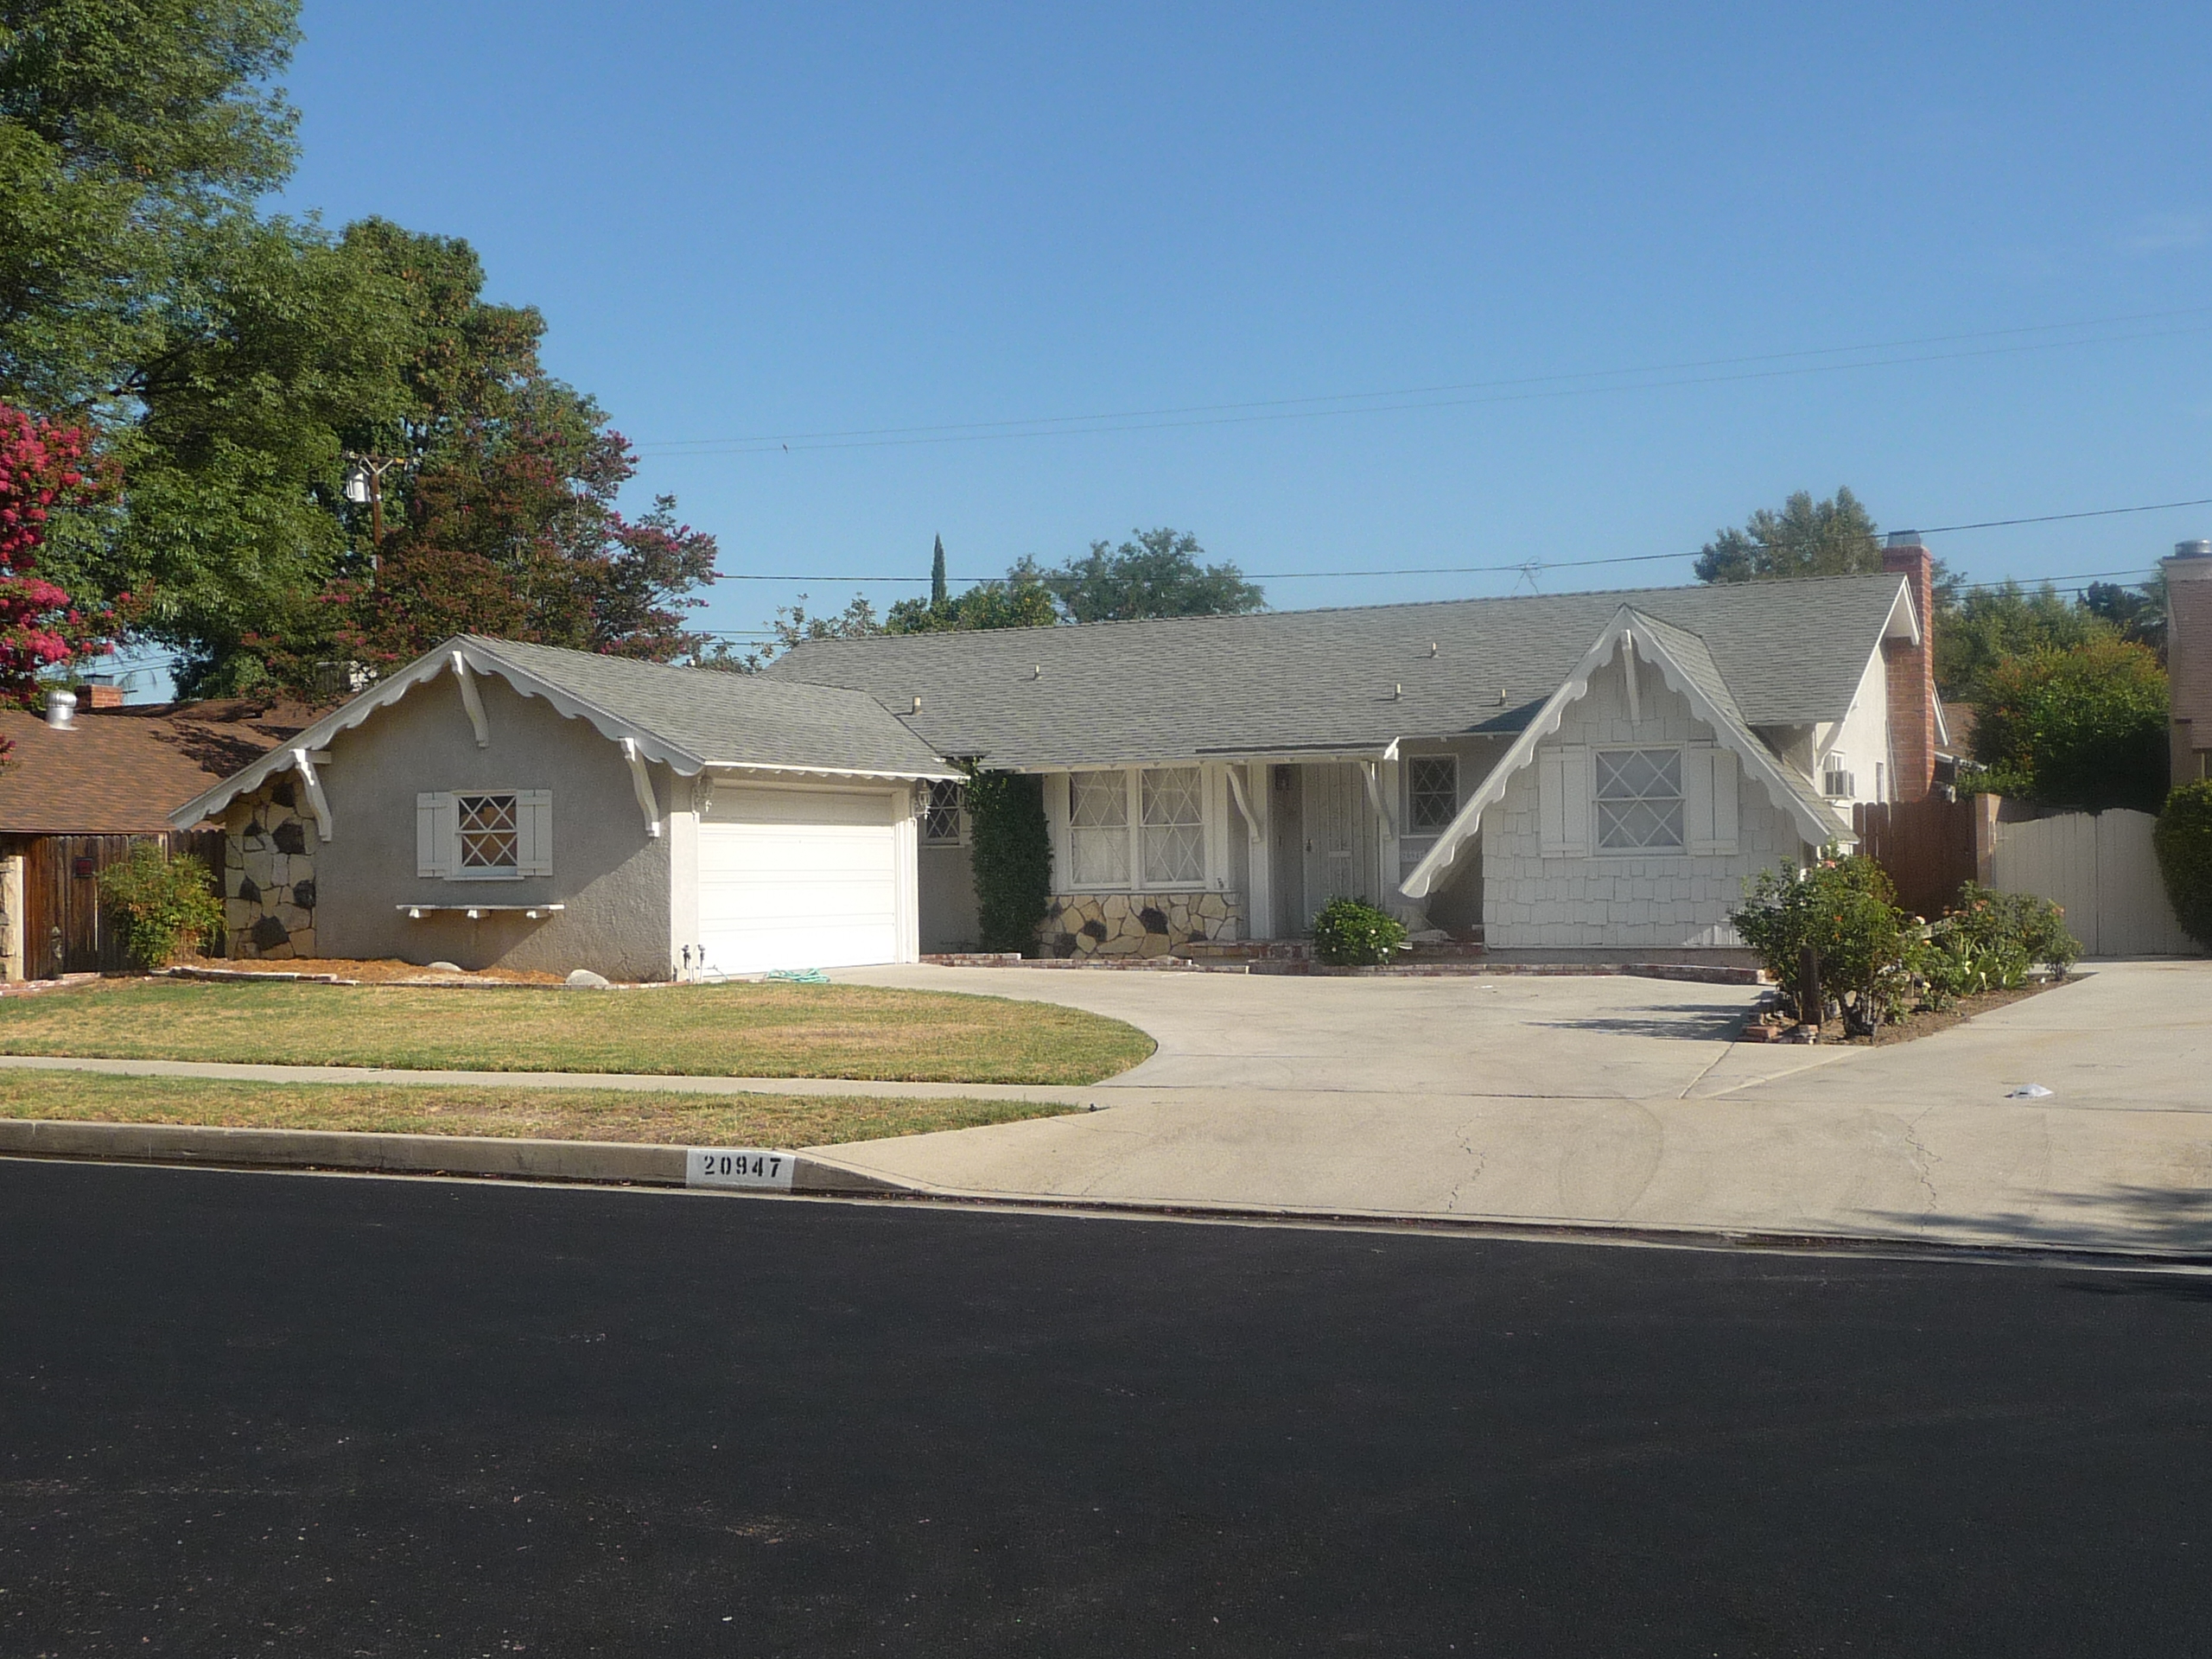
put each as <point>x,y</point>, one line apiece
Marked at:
<point>1431,793</point>
<point>941,817</point>
<point>1174,827</point>
<point>1098,829</point>
<point>484,834</point>
<point>1136,828</point>
<point>1639,799</point>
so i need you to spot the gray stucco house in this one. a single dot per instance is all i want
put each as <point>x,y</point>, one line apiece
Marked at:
<point>1563,776</point>
<point>495,803</point>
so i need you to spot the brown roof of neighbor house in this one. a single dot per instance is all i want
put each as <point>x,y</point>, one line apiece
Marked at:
<point>119,772</point>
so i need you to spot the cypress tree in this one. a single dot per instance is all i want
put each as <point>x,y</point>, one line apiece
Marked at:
<point>938,596</point>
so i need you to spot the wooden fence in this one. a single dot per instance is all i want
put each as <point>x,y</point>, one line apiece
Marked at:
<point>1929,847</point>
<point>65,930</point>
<point>2101,869</point>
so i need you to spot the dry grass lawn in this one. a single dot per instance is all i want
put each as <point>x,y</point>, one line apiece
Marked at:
<point>786,1121</point>
<point>728,1031</point>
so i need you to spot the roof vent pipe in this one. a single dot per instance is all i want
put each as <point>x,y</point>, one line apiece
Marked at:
<point>61,710</point>
<point>2193,550</point>
<point>917,708</point>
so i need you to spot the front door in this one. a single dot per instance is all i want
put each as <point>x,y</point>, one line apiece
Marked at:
<point>1336,837</point>
<point>1287,852</point>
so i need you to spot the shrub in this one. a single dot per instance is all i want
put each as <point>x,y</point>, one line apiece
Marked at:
<point>2013,922</point>
<point>2183,839</point>
<point>2083,727</point>
<point>1951,964</point>
<point>1011,855</point>
<point>1845,908</point>
<point>164,903</point>
<point>1352,934</point>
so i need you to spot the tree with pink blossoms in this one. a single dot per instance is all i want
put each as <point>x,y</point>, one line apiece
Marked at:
<point>44,469</point>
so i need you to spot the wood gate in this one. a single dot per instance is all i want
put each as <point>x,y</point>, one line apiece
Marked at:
<point>2102,870</point>
<point>66,931</point>
<point>1929,848</point>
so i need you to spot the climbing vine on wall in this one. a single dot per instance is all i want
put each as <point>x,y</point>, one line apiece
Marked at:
<point>1012,856</point>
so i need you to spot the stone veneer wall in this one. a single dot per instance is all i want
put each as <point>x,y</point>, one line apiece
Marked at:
<point>268,875</point>
<point>1136,924</point>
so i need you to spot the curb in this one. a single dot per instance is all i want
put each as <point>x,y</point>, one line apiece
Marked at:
<point>615,1163</point>
<point>602,1162</point>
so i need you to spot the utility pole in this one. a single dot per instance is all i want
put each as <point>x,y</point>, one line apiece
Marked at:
<point>365,482</point>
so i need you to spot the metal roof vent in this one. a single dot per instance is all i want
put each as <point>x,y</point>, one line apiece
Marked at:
<point>2193,550</point>
<point>62,710</point>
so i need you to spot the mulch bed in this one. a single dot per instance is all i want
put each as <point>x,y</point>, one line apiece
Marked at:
<point>1927,1023</point>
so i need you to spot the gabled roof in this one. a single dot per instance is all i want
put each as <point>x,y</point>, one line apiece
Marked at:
<point>1686,665</point>
<point>689,719</point>
<point>1791,653</point>
<point>118,772</point>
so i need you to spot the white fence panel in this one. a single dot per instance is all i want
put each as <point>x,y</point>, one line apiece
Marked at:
<point>2102,870</point>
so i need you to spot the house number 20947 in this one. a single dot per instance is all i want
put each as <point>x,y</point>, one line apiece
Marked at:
<point>736,1167</point>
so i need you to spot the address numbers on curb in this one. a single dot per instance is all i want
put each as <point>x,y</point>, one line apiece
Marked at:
<point>737,1166</point>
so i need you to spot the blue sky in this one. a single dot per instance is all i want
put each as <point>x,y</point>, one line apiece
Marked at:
<point>744,221</point>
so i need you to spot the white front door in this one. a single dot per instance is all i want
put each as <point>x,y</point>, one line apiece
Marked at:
<point>793,878</point>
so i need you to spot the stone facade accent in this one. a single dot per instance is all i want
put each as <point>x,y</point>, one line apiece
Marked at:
<point>268,875</point>
<point>1137,923</point>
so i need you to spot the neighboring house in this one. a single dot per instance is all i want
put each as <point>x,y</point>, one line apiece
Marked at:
<point>1565,776</point>
<point>82,785</point>
<point>2188,658</point>
<point>496,803</point>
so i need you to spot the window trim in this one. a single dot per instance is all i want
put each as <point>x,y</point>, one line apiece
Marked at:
<point>959,809</point>
<point>1133,826</point>
<point>437,835</point>
<point>1680,799</point>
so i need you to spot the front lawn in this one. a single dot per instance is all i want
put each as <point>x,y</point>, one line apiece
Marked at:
<point>786,1121</point>
<point>729,1031</point>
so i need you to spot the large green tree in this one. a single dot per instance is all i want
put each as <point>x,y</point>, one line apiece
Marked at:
<point>1985,629</point>
<point>1158,573</point>
<point>2083,726</point>
<point>1835,537</point>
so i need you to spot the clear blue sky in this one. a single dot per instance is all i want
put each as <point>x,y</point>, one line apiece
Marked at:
<point>744,220</point>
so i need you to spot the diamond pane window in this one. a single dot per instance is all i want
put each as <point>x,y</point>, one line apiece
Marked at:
<point>941,817</point>
<point>1433,790</point>
<point>1639,800</point>
<point>489,837</point>
<point>1174,832</point>
<point>1098,829</point>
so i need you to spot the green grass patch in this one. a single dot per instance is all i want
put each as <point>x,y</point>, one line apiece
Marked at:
<point>726,1031</point>
<point>788,1121</point>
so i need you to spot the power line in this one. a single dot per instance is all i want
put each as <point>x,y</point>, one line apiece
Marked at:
<point>1539,565</point>
<point>1509,391</point>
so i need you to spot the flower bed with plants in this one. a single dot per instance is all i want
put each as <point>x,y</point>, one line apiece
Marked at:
<point>1843,955</point>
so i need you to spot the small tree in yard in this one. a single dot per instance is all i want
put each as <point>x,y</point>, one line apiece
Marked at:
<point>2084,727</point>
<point>164,903</point>
<point>1845,909</point>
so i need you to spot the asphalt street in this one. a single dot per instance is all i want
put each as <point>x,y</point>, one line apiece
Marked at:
<point>249,1413</point>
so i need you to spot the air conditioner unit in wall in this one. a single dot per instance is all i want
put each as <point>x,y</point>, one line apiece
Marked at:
<point>1839,784</point>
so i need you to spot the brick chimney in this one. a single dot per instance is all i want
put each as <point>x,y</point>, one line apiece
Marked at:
<point>1910,670</point>
<point>2188,658</point>
<point>103,696</point>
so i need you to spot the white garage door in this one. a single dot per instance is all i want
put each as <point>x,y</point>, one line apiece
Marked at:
<point>798,879</point>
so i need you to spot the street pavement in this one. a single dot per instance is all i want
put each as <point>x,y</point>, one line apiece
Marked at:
<point>315,1414</point>
<point>1620,1101</point>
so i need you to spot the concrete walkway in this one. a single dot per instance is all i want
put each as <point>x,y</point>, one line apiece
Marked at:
<point>1619,1101</point>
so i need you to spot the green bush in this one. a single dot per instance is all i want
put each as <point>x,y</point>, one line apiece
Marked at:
<point>163,904</point>
<point>1011,854</point>
<point>2013,922</point>
<point>1951,964</point>
<point>2084,727</point>
<point>1845,907</point>
<point>1352,934</point>
<point>2183,839</point>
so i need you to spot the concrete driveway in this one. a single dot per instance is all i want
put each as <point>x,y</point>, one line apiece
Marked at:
<point>1616,1102</point>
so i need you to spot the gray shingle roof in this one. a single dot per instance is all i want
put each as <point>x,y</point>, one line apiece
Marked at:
<point>1791,653</point>
<point>741,719</point>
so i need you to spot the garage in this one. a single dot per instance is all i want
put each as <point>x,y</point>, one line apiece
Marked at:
<point>794,877</point>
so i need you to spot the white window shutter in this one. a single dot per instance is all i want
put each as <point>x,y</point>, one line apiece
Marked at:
<point>1697,800</point>
<point>1726,770</point>
<point>534,825</point>
<point>1563,802</point>
<point>431,813</point>
<point>449,834</point>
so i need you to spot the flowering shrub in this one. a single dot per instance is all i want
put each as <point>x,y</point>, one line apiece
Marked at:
<point>2021,922</point>
<point>44,468</point>
<point>1352,934</point>
<point>1845,908</point>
